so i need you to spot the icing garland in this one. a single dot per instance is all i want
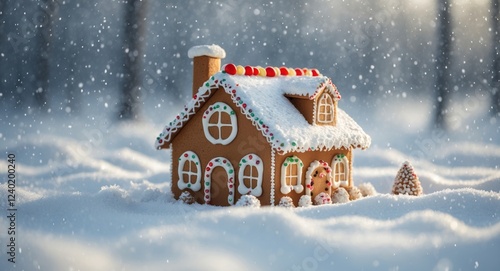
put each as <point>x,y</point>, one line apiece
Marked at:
<point>273,161</point>
<point>189,157</point>
<point>220,107</point>
<point>228,167</point>
<point>189,110</point>
<point>250,160</point>
<point>315,164</point>
<point>328,86</point>
<point>289,161</point>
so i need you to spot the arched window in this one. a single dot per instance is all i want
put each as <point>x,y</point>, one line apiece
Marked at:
<point>189,171</point>
<point>250,175</point>
<point>325,109</point>
<point>291,175</point>
<point>220,124</point>
<point>340,166</point>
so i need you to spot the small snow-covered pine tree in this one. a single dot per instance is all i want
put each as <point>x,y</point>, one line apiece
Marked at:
<point>407,182</point>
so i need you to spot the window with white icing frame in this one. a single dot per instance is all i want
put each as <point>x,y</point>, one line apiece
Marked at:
<point>250,175</point>
<point>291,175</point>
<point>189,171</point>
<point>220,124</point>
<point>340,167</point>
<point>325,109</point>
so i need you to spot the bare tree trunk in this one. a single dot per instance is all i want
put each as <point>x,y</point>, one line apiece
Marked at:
<point>3,50</point>
<point>495,79</point>
<point>135,30</point>
<point>443,62</point>
<point>43,20</point>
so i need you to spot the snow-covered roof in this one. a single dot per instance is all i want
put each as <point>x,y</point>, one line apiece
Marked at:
<point>263,101</point>
<point>207,50</point>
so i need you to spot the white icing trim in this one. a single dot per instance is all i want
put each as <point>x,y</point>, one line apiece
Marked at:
<point>171,148</point>
<point>252,160</point>
<point>285,188</point>
<point>207,50</point>
<point>315,164</point>
<point>273,171</point>
<point>314,112</point>
<point>339,159</point>
<point>189,156</point>
<point>219,108</point>
<point>228,167</point>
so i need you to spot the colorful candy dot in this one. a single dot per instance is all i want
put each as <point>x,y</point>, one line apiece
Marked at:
<point>248,70</point>
<point>262,71</point>
<point>230,68</point>
<point>284,71</point>
<point>270,72</point>
<point>240,70</point>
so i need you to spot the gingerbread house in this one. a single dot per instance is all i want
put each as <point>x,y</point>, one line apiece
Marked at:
<point>268,132</point>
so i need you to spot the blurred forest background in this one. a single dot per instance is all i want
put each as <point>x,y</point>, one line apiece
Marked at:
<point>56,56</point>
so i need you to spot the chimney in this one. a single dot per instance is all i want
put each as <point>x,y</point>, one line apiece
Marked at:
<point>206,62</point>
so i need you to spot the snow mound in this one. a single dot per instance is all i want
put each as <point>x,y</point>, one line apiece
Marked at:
<point>305,201</point>
<point>248,200</point>
<point>322,198</point>
<point>340,196</point>
<point>186,197</point>
<point>367,189</point>
<point>354,193</point>
<point>286,202</point>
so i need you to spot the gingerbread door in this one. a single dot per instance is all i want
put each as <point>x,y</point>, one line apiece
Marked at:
<point>219,182</point>
<point>318,178</point>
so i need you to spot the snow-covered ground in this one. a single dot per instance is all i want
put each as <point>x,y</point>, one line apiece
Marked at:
<point>94,195</point>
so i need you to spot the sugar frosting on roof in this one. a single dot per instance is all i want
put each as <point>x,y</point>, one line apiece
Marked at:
<point>207,50</point>
<point>263,101</point>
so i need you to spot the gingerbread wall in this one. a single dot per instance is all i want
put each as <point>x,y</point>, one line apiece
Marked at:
<point>248,140</point>
<point>304,105</point>
<point>307,158</point>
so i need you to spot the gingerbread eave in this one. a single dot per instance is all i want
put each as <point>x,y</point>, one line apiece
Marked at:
<point>264,101</point>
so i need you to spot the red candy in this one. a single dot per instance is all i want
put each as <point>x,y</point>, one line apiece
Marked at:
<point>299,72</point>
<point>255,71</point>
<point>284,71</point>
<point>270,72</point>
<point>248,70</point>
<point>230,69</point>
